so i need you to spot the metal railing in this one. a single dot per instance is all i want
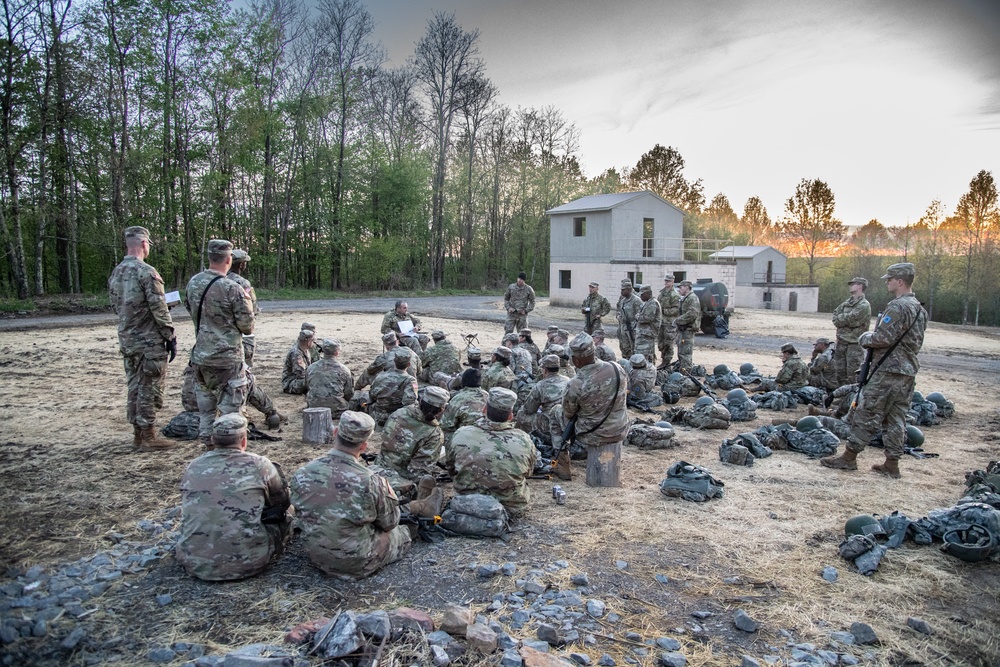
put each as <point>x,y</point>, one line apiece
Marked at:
<point>671,249</point>
<point>769,278</point>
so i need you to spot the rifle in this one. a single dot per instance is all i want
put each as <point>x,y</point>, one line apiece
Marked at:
<point>589,326</point>
<point>698,383</point>
<point>425,526</point>
<point>863,372</point>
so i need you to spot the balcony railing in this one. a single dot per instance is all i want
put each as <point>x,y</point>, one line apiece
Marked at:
<point>771,278</point>
<point>676,249</point>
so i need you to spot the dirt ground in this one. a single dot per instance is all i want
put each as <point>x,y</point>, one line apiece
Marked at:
<point>71,478</point>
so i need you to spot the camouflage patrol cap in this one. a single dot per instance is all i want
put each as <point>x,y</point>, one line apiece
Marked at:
<point>389,337</point>
<point>139,233</point>
<point>563,333</point>
<point>474,353</point>
<point>329,346</point>
<point>306,334</point>
<point>435,396</point>
<point>685,283</point>
<point>308,325</point>
<point>582,345</point>
<point>510,338</point>
<point>400,355</point>
<point>502,352</point>
<point>789,348</point>
<point>598,333</point>
<point>669,278</point>
<point>524,332</point>
<point>355,427</point>
<point>232,424</point>
<point>240,255</point>
<point>550,361</point>
<point>822,341</point>
<point>557,350</point>
<point>626,283</point>
<point>637,361</point>
<point>861,281</point>
<point>438,335</point>
<point>901,270</point>
<point>552,329</point>
<point>595,284</point>
<point>502,399</point>
<point>220,247</point>
<point>646,288</point>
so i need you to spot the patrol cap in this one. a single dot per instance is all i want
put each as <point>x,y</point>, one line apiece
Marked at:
<point>329,346</point>
<point>435,396</point>
<point>308,325</point>
<point>593,284</point>
<point>503,353</point>
<point>552,329</point>
<point>400,354</point>
<point>512,337</point>
<point>220,247</point>
<point>557,350</point>
<point>822,341</point>
<point>563,333</point>
<point>901,270</point>
<point>626,283</point>
<point>646,288</point>
<point>550,361</point>
<point>685,283</point>
<point>138,233</point>
<point>438,335</point>
<point>472,377</point>
<point>501,399</point>
<point>598,333</point>
<point>306,334</point>
<point>232,424</point>
<point>637,361</point>
<point>240,255</point>
<point>859,280</point>
<point>474,353</point>
<point>582,345</point>
<point>669,278</point>
<point>355,427</point>
<point>788,347</point>
<point>524,332</point>
<point>389,337</point>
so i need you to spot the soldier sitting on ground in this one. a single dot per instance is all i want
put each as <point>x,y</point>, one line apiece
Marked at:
<point>520,359</point>
<point>392,389</point>
<point>314,351</point>
<point>794,373</point>
<point>465,407</point>
<point>822,371</point>
<point>499,373</point>
<point>235,510</point>
<point>329,383</point>
<point>641,382</point>
<point>565,368</point>
<point>412,439</point>
<point>541,413</point>
<point>602,350</point>
<point>524,340</point>
<point>442,357</point>
<point>293,376</point>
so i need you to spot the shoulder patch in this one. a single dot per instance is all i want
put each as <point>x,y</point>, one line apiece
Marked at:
<point>886,319</point>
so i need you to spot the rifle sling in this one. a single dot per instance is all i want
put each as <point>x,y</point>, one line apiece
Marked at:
<point>888,352</point>
<point>611,408</point>
<point>201,302</point>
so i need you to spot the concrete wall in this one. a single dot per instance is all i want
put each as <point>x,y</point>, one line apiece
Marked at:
<point>595,246</point>
<point>752,269</point>
<point>752,296</point>
<point>610,275</point>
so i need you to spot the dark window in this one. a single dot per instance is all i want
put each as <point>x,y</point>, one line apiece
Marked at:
<point>767,297</point>
<point>793,301</point>
<point>680,275</point>
<point>579,226</point>
<point>647,237</point>
<point>565,279</point>
<point>635,277</point>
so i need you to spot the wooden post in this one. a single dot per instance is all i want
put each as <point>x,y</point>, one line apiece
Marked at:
<point>317,426</point>
<point>604,464</point>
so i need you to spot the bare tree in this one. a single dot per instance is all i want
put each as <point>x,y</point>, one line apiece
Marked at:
<point>809,225</point>
<point>978,215</point>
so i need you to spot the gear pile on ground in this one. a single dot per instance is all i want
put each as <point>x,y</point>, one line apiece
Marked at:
<point>690,482</point>
<point>648,435</point>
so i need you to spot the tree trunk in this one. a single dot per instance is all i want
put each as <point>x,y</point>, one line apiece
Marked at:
<point>317,426</point>
<point>604,464</point>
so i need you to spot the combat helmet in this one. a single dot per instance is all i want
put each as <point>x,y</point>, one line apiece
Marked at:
<point>675,377</point>
<point>704,400</point>
<point>972,544</point>
<point>937,398</point>
<point>737,395</point>
<point>808,423</point>
<point>747,369</point>
<point>663,424</point>
<point>917,397</point>
<point>914,436</point>
<point>721,369</point>
<point>863,524</point>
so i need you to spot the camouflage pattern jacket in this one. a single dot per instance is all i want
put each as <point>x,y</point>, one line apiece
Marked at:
<point>641,381</point>
<point>532,349</point>
<point>711,416</point>
<point>226,315</point>
<point>441,357</point>
<point>689,312</point>
<point>392,319</point>
<point>495,459</point>
<point>794,374</point>
<point>345,512</point>
<point>670,302</point>
<point>521,362</point>
<point>329,384</point>
<point>628,308</point>
<point>899,315</point>
<point>223,494</point>
<point>599,306</point>
<point>605,353</point>
<point>822,374</point>
<point>293,375</point>
<point>590,396</point>
<point>852,318</point>
<point>411,445</point>
<point>392,390</point>
<point>136,293</point>
<point>497,375</point>
<point>648,319</point>
<point>248,289</point>
<point>518,299</point>
<point>464,408</point>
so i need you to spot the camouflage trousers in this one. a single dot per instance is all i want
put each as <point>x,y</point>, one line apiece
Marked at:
<point>847,359</point>
<point>249,347</point>
<point>388,548</point>
<point>666,343</point>
<point>645,344</point>
<point>146,377</point>
<point>515,322</point>
<point>685,347</point>
<point>258,398</point>
<point>884,403</point>
<point>626,342</point>
<point>222,390</point>
<point>595,323</point>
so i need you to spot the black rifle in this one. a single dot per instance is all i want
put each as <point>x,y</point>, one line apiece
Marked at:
<point>427,526</point>
<point>589,327</point>
<point>676,366</point>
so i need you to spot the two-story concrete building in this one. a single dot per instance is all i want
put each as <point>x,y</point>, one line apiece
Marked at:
<point>635,235</point>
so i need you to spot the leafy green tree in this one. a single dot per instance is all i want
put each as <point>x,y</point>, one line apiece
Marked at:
<point>661,170</point>
<point>755,223</point>
<point>977,215</point>
<point>809,226</point>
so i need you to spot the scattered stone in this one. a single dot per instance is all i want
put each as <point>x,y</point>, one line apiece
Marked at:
<point>209,661</point>
<point>668,643</point>
<point>673,659</point>
<point>457,619</point>
<point>607,661</point>
<point>505,641</point>
<point>743,621</point>
<point>613,617</point>
<point>440,638</point>
<point>161,654</point>
<point>338,638</point>
<point>596,608</point>
<point>848,659</point>
<point>164,599</point>
<point>260,655</point>
<point>580,579</point>
<point>863,634</point>
<point>642,652</point>
<point>303,632</point>
<point>508,570</point>
<point>40,628</point>
<point>8,634</point>
<point>702,615</point>
<point>536,645</point>
<point>633,636</point>
<point>487,570</point>
<point>829,657</point>
<point>580,658</point>
<point>732,580</point>
<point>511,658</point>
<point>405,618</point>
<point>842,637</point>
<point>532,586</point>
<point>621,564</point>
<point>550,634</point>
<point>662,578</point>
<point>440,657</point>
<point>480,638</point>
<point>749,662</point>
<point>113,575</point>
<point>830,574</point>
<point>533,658</point>
<point>374,624</point>
<point>73,639</point>
<point>520,616</point>
<point>920,625</point>
<point>806,646</point>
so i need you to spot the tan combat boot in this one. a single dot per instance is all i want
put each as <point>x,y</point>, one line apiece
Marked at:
<point>425,487</point>
<point>149,439</point>
<point>890,468</point>
<point>428,507</point>
<point>135,435</point>
<point>846,461</point>
<point>561,466</point>
<point>817,411</point>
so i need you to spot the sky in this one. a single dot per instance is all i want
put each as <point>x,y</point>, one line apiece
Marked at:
<point>893,103</point>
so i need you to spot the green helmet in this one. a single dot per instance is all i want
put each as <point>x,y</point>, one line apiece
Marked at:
<point>973,544</point>
<point>914,436</point>
<point>721,369</point>
<point>663,425</point>
<point>994,481</point>
<point>747,369</point>
<point>808,423</point>
<point>736,395</point>
<point>937,398</point>
<point>917,397</point>
<point>675,377</point>
<point>704,400</point>
<point>863,524</point>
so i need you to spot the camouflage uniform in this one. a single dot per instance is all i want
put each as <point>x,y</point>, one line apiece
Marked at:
<point>647,329</point>
<point>329,384</point>
<point>218,354</point>
<point>628,308</point>
<point>852,318</point>
<point>521,362</point>
<point>464,409</point>
<point>822,371</point>
<point>249,341</point>
<point>189,389</point>
<point>392,319</point>
<point>518,301</point>
<point>794,374</point>
<point>641,382</point>
<point>543,408</point>
<point>886,397</point>
<point>390,391</point>
<point>669,309</point>
<point>293,375</point>
<point>379,364</point>
<point>590,396</point>
<point>710,416</point>
<point>144,326</point>
<point>536,354</point>
<point>442,357</point>
<point>599,307</point>
<point>498,375</point>
<point>495,459</point>
<point>687,323</point>
<point>411,445</point>
<point>348,515</point>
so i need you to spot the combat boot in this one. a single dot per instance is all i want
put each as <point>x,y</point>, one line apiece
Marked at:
<point>817,411</point>
<point>425,487</point>
<point>149,439</point>
<point>890,468</point>
<point>135,435</point>
<point>274,419</point>
<point>561,466</point>
<point>428,507</point>
<point>846,461</point>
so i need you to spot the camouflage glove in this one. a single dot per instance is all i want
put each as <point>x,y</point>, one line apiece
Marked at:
<point>171,347</point>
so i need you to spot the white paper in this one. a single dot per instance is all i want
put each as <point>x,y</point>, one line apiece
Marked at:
<point>173,298</point>
<point>405,326</point>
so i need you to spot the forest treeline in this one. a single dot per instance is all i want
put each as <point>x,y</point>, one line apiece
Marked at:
<point>280,125</point>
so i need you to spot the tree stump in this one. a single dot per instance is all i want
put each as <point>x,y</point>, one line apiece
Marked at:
<point>317,426</point>
<point>604,464</point>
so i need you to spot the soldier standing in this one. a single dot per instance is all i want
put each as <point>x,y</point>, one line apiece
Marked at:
<point>647,325</point>
<point>688,319</point>
<point>146,337</point>
<point>595,306</point>
<point>852,318</point>
<point>669,309</point>
<point>518,301</point>
<point>399,313</point>
<point>628,307</point>
<point>235,509</point>
<point>329,383</point>
<point>885,399</point>
<point>222,313</point>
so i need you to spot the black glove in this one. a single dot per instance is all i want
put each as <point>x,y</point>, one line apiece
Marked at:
<point>171,347</point>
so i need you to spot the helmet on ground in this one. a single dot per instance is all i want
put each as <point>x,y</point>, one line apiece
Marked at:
<point>863,524</point>
<point>721,369</point>
<point>704,400</point>
<point>747,369</point>
<point>914,436</point>
<point>808,423</point>
<point>663,425</point>
<point>937,398</point>
<point>972,544</point>
<point>737,395</point>
<point>675,377</point>
<point>994,481</point>
<point>671,397</point>
<point>917,397</point>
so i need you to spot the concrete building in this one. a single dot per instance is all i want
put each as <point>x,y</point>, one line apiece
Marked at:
<point>760,280</point>
<point>635,235</point>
